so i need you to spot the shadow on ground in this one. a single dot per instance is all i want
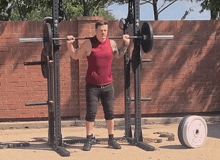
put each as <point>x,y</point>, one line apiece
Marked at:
<point>214,130</point>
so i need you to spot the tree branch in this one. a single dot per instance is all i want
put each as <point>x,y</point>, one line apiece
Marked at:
<point>162,5</point>
<point>149,1</point>
<point>166,7</point>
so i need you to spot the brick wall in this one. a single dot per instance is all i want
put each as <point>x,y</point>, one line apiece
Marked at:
<point>183,76</point>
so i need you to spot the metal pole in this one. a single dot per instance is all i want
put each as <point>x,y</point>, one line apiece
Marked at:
<point>58,147</point>
<point>58,136</point>
<point>127,77</point>
<point>136,64</point>
<point>51,110</point>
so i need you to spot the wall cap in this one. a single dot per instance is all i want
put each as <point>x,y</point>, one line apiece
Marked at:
<point>88,18</point>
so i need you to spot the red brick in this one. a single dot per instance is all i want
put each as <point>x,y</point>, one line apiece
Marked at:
<point>182,77</point>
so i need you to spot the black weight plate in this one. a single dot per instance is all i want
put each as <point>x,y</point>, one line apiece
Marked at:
<point>122,23</point>
<point>147,37</point>
<point>26,144</point>
<point>44,66</point>
<point>48,41</point>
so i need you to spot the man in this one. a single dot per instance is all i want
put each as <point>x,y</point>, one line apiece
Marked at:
<point>99,80</point>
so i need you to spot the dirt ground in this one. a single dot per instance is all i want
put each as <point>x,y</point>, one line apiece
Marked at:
<point>167,150</point>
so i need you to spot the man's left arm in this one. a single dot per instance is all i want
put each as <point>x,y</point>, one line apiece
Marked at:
<point>118,53</point>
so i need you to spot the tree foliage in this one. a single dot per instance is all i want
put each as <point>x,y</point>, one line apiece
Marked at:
<point>29,10</point>
<point>212,5</point>
<point>5,10</point>
<point>76,8</point>
<point>156,10</point>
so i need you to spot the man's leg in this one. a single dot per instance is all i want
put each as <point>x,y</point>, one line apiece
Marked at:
<point>92,95</point>
<point>89,136</point>
<point>107,99</point>
<point>89,128</point>
<point>111,142</point>
<point>110,126</point>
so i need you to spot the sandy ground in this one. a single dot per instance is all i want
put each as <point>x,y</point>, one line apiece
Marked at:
<point>167,150</point>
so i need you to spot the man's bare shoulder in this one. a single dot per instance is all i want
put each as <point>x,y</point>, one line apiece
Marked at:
<point>87,46</point>
<point>112,42</point>
<point>87,43</point>
<point>114,45</point>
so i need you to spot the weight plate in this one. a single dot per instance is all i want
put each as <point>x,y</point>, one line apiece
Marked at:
<point>192,131</point>
<point>26,144</point>
<point>48,41</point>
<point>3,146</point>
<point>44,65</point>
<point>147,37</point>
<point>122,23</point>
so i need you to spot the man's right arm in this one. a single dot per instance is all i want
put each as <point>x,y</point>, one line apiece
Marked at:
<point>80,52</point>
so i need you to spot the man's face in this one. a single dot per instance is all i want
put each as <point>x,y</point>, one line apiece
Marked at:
<point>102,31</point>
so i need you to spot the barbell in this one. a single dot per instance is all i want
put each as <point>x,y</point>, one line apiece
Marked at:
<point>146,38</point>
<point>22,40</point>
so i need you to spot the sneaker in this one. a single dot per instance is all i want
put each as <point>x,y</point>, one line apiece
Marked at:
<point>88,145</point>
<point>94,141</point>
<point>114,144</point>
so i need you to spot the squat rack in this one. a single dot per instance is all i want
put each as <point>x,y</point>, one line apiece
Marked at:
<point>54,104</point>
<point>134,18</point>
<point>53,83</point>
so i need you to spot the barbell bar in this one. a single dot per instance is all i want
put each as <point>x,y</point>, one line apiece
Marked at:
<point>24,40</point>
<point>146,36</point>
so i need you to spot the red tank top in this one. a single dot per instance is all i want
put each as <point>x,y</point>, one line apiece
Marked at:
<point>100,63</point>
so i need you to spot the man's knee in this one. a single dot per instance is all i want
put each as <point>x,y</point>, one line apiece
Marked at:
<point>109,116</point>
<point>90,117</point>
